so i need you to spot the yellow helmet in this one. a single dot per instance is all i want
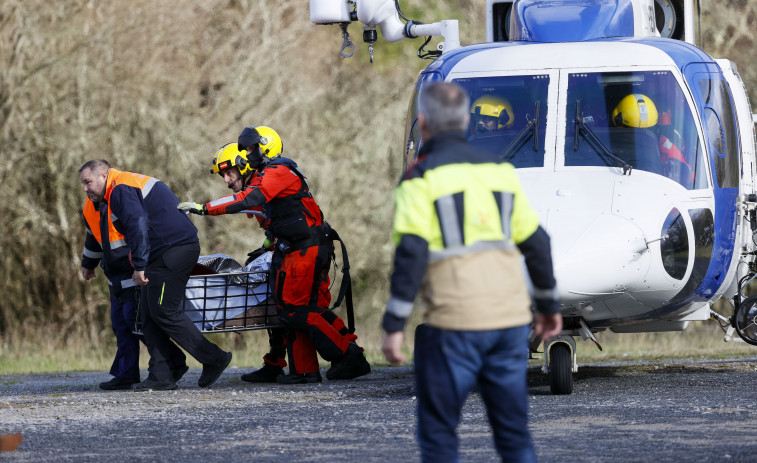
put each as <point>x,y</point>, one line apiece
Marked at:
<point>495,107</point>
<point>635,110</point>
<point>262,143</point>
<point>230,156</point>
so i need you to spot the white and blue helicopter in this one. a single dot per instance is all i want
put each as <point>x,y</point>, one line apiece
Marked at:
<point>636,148</point>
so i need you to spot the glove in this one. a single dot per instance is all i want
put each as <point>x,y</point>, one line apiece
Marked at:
<point>258,252</point>
<point>194,208</point>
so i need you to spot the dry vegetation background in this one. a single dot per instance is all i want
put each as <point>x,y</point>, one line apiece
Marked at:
<point>157,87</point>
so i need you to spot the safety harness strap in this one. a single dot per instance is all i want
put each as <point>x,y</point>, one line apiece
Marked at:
<point>345,290</point>
<point>322,235</point>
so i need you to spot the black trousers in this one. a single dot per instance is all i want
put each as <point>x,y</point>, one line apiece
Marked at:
<point>162,319</point>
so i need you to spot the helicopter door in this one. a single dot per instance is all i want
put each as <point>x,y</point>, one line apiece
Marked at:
<point>716,108</point>
<point>745,124</point>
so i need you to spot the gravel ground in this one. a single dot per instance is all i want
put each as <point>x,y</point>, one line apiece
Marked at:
<point>671,410</point>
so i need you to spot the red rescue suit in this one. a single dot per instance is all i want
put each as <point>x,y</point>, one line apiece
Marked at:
<point>674,163</point>
<point>670,151</point>
<point>301,261</point>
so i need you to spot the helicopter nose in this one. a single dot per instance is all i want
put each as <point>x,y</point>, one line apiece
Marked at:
<point>598,261</point>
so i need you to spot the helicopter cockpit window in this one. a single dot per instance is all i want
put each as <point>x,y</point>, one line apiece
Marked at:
<point>721,131</point>
<point>633,120</point>
<point>412,128</point>
<point>508,116</point>
<point>412,132</point>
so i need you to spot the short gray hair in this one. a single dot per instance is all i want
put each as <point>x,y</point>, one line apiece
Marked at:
<point>96,165</point>
<point>445,107</point>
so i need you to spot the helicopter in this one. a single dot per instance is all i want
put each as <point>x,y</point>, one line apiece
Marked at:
<point>635,147</point>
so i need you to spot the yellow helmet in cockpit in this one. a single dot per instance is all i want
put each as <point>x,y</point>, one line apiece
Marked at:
<point>490,112</point>
<point>635,110</point>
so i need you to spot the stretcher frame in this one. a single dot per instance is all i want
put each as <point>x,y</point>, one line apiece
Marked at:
<point>229,302</point>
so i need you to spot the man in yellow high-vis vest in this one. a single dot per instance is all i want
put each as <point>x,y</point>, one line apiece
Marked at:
<point>461,225</point>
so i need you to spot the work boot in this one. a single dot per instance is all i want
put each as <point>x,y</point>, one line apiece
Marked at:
<point>350,365</point>
<point>300,378</point>
<point>210,373</point>
<point>154,385</point>
<point>118,383</point>
<point>267,374</point>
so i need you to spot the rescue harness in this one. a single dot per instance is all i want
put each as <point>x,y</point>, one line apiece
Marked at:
<point>290,229</point>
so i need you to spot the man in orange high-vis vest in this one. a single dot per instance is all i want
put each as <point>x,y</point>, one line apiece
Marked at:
<point>164,248</point>
<point>106,247</point>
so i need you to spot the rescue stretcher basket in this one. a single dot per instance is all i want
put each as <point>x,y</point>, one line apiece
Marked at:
<point>235,301</point>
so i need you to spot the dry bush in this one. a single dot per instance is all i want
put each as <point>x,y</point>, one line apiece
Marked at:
<point>728,32</point>
<point>157,87</point>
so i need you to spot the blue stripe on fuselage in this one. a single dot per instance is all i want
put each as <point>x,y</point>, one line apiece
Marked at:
<point>722,248</point>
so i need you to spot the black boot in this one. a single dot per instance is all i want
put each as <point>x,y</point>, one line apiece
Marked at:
<point>118,383</point>
<point>267,374</point>
<point>210,373</point>
<point>350,365</point>
<point>300,378</point>
<point>151,384</point>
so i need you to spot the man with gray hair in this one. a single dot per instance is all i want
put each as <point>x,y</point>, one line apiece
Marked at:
<point>461,224</point>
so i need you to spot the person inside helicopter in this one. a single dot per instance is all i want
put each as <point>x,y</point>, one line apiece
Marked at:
<point>490,113</point>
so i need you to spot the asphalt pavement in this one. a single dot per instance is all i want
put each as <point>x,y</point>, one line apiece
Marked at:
<point>671,410</point>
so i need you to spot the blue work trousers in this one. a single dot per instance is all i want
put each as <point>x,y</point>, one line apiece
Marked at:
<point>447,366</point>
<point>123,315</point>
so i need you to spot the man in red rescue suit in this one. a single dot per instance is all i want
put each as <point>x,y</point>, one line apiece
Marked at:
<point>303,249</point>
<point>163,248</point>
<point>105,246</point>
<point>231,164</point>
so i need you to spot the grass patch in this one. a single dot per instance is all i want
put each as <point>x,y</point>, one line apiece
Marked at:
<point>702,340</point>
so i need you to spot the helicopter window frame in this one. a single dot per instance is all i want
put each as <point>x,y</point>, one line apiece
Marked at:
<point>478,84</point>
<point>684,103</point>
<point>725,159</point>
<point>412,138</point>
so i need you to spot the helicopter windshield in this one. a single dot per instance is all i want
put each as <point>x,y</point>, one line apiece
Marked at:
<point>508,116</point>
<point>641,118</point>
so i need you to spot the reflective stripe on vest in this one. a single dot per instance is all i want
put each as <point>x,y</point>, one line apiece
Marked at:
<point>125,283</point>
<point>117,177</point>
<point>92,216</point>
<point>139,181</point>
<point>463,208</point>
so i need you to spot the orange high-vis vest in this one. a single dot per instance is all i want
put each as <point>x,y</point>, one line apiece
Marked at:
<point>92,216</point>
<point>118,177</point>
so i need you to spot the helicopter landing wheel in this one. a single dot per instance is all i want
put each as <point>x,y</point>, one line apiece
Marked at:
<point>560,369</point>
<point>745,320</point>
